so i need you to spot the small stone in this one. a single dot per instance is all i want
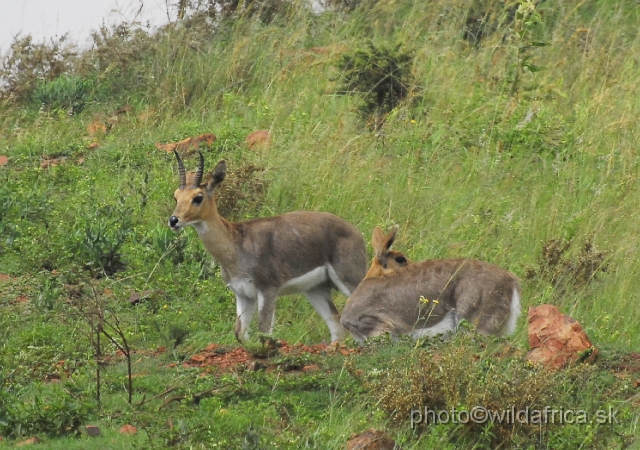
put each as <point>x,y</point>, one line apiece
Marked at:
<point>93,430</point>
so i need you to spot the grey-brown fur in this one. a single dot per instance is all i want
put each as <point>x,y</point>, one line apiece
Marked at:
<point>262,259</point>
<point>479,292</point>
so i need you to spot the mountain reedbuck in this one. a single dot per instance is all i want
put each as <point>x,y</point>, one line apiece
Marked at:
<point>429,297</point>
<point>262,259</point>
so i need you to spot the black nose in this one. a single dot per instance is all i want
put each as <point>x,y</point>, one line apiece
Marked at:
<point>173,221</point>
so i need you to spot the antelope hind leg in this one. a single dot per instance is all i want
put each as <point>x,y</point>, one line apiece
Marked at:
<point>320,299</point>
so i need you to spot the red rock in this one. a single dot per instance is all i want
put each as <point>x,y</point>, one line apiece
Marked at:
<point>128,429</point>
<point>3,160</point>
<point>51,162</point>
<point>371,439</point>
<point>311,368</point>
<point>192,143</point>
<point>95,127</point>
<point>260,138</point>
<point>556,339</point>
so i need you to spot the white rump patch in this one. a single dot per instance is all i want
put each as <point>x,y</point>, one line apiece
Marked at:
<point>337,281</point>
<point>515,311</point>
<point>446,326</point>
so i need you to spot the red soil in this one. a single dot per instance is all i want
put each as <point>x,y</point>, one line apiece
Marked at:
<point>223,359</point>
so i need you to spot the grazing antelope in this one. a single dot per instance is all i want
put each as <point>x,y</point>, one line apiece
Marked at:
<point>262,259</point>
<point>429,297</point>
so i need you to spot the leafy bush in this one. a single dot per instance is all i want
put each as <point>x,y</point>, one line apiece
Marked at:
<point>343,5</point>
<point>471,372</point>
<point>65,92</point>
<point>243,192</point>
<point>28,64</point>
<point>561,271</point>
<point>120,56</point>
<point>102,236</point>
<point>53,413</point>
<point>485,17</point>
<point>7,230</point>
<point>381,75</point>
<point>219,10</point>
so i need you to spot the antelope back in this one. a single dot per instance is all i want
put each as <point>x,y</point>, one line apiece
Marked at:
<point>398,302</point>
<point>481,293</point>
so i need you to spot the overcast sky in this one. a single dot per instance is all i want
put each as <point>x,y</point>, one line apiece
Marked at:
<point>44,19</point>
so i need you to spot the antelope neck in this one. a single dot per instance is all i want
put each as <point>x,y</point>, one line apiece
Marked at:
<point>216,234</point>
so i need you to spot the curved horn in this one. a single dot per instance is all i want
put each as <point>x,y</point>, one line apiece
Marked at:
<point>181,171</point>
<point>199,172</point>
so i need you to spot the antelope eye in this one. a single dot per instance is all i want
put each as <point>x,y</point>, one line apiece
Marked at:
<point>197,200</point>
<point>401,260</point>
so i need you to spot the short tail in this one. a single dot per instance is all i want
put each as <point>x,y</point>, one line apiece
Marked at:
<point>514,312</point>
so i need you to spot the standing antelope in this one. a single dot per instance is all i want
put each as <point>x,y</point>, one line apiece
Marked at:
<point>427,298</point>
<point>262,259</point>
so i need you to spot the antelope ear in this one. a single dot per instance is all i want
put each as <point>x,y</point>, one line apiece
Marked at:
<point>390,237</point>
<point>377,239</point>
<point>217,175</point>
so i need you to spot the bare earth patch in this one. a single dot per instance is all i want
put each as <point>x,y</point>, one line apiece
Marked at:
<point>223,359</point>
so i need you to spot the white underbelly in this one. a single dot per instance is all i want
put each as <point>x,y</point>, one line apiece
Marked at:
<point>245,287</point>
<point>304,282</point>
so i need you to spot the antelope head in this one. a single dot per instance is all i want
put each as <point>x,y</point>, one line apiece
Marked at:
<point>195,202</point>
<point>385,260</point>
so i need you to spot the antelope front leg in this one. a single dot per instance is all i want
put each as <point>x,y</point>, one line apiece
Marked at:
<point>266,311</point>
<point>245,308</point>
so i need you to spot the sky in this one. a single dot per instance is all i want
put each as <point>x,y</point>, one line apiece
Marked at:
<point>44,19</point>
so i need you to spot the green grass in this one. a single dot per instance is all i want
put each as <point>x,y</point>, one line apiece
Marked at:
<point>473,164</point>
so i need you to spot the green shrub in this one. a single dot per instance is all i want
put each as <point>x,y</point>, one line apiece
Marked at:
<point>53,413</point>
<point>66,92</point>
<point>476,372</point>
<point>101,238</point>
<point>380,75</point>
<point>27,64</point>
